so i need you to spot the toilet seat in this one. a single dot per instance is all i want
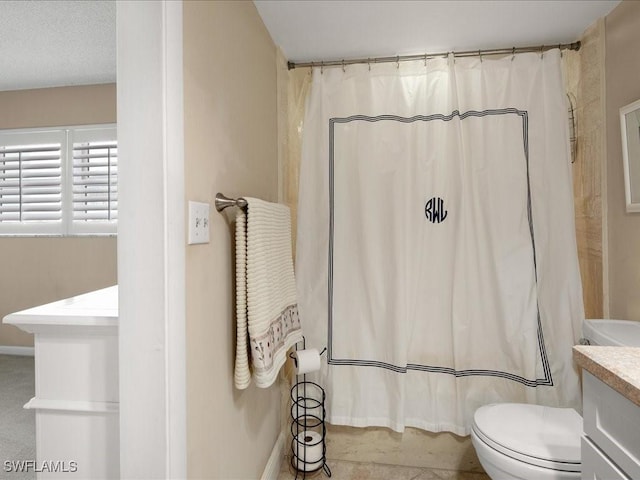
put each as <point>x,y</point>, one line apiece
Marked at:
<point>546,437</point>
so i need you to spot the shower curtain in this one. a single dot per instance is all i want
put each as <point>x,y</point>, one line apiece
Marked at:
<point>436,255</point>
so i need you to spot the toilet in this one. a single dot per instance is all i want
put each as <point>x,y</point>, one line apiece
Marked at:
<point>516,441</point>
<point>528,442</point>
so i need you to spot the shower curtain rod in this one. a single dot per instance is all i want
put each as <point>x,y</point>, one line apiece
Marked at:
<point>426,56</point>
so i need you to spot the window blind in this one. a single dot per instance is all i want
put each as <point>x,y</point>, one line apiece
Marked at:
<point>61,181</point>
<point>95,181</point>
<point>31,183</point>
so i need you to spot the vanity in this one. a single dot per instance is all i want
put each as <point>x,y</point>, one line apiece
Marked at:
<point>76,397</point>
<point>611,412</point>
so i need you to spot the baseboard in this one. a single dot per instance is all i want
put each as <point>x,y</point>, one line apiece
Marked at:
<point>12,350</point>
<point>272,470</point>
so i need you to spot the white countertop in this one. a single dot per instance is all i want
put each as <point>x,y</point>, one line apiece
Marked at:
<point>93,309</point>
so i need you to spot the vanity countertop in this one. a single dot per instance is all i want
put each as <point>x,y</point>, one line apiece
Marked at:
<point>618,367</point>
<point>94,309</point>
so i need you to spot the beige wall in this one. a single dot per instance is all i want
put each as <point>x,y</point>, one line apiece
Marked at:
<point>230,112</point>
<point>584,72</point>
<point>50,107</point>
<point>622,87</point>
<point>43,269</point>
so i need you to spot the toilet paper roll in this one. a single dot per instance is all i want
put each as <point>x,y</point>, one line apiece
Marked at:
<point>307,360</point>
<point>307,448</point>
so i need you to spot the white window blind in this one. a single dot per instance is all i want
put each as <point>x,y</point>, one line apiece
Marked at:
<point>95,181</point>
<point>59,182</point>
<point>30,183</point>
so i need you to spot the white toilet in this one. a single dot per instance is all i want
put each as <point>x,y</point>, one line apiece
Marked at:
<point>528,442</point>
<point>516,441</point>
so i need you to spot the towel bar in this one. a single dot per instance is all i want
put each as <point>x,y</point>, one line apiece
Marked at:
<point>223,202</point>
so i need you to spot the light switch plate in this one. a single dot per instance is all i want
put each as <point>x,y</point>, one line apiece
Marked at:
<point>198,223</point>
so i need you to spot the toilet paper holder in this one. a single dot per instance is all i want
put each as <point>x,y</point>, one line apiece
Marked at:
<point>308,429</point>
<point>293,356</point>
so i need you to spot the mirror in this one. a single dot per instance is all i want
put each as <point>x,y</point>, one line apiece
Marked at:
<point>630,126</point>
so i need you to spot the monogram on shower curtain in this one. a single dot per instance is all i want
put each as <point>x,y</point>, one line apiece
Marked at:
<point>436,252</point>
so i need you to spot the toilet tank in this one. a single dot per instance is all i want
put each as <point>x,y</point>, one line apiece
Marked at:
<point>620,333</point>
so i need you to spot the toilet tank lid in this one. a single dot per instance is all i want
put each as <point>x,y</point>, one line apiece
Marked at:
<point>545,433</point>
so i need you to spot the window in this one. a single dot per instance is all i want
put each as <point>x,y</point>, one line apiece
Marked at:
<point>59,181</point>
<point>95,180</point>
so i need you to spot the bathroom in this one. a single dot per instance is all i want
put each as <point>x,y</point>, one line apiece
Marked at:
<point>199,424</point>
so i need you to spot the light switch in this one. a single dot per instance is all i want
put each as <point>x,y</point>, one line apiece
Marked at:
<point>198,222</point>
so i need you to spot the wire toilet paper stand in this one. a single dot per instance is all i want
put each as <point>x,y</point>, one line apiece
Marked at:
<point>308,429</point>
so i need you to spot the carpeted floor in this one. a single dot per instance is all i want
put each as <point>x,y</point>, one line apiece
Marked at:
<point>17,425</point>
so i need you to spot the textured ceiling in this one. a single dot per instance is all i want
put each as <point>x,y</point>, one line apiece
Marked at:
<point>54,43</point>
<point>313,30</point>
<point>46,43</point>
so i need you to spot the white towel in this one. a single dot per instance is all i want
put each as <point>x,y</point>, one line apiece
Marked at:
<point>266,301</point>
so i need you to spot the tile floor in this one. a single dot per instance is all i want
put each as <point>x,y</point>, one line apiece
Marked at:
<point>343,470</point>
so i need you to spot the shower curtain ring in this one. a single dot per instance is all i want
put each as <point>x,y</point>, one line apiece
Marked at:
<point>513,53</point>
<point>343,70</point>
<point>425,59</point>
<point>398,61</point>
<point>480,55</point>
<point>369,63</point>
<point>322,67</point>
<point>541,52</point>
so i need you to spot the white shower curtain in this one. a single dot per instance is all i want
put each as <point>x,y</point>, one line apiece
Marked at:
<point>436,254</point>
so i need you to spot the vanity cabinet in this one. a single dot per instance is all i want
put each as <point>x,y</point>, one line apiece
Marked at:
<point>611,440</point>
<point>76,369</point>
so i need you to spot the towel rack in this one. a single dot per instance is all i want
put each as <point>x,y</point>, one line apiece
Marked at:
<point>223,202</point>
